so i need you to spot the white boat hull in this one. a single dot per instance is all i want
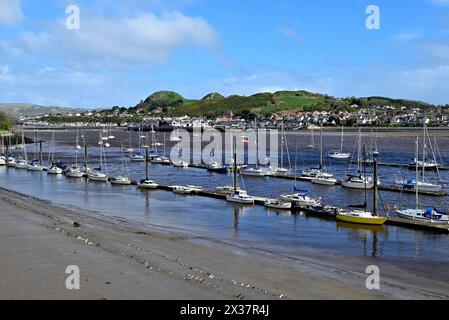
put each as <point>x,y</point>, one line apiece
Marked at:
<point>36,168</point>
<point>239,200</point>
<point>121,182</point>
<point>75,174</point>
<point>54,171</point>
<point>325,182</point>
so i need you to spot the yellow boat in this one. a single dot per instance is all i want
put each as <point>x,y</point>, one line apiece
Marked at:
<point>361,217</point>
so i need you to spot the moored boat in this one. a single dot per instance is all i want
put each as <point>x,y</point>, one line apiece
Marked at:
<point>360,217</point>
<point>277,204</point>
<point>122,181</point>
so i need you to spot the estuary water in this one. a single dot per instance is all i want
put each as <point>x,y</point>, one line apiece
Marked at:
<point>254,226</point>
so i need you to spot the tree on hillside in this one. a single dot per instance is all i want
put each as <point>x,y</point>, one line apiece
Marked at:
<point>5,122</point>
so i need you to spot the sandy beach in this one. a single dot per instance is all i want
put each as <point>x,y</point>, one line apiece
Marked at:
<point>119,260</point>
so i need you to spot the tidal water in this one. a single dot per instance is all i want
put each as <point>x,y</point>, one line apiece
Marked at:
<point>256,226</point>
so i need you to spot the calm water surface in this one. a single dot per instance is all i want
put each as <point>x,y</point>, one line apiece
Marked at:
<point>249,226</point>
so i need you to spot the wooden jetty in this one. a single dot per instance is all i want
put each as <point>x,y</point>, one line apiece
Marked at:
<point>405,165</point>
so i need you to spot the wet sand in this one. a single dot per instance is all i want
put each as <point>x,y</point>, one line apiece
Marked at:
<point>119,260</point>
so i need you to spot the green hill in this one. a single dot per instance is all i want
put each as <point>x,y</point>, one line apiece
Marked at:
<point>24,109</point>
<point>214,104</point>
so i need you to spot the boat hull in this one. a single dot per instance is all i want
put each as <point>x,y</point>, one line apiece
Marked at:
<point>35,168</point>
<point>325,182</point>
<point>148,186</point>
<point>357,186</point>
<point>362,220</point>
<point>239,201</point>
<point>121,182</point>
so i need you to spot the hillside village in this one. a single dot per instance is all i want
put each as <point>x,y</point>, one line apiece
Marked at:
<point>293,110</point>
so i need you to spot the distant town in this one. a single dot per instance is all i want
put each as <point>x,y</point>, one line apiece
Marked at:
<point>293,110</point>
<point>380,116</point>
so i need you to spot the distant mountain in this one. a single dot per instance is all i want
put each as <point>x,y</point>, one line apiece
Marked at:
<point>23,109</point>
<point>215,104</point>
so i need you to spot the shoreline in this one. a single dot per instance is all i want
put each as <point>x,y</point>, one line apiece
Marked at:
<point>120,260</point>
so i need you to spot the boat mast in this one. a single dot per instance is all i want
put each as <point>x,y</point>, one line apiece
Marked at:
<point>282,145</point>
<point>365,180</point>
<point>375,190</point>
<point>146,165</point>
<point>76,150</point>
<point>321,148</point>
<point>234,142</point>
<point>85,155</point>
<point>417,173</point>
<point>424,154</point>
<point>41,161</point>
<point>359,151</point>
<point>342,139</point>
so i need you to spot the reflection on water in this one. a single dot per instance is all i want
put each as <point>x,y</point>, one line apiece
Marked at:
<point>278,231</point>
<point>368,236</point>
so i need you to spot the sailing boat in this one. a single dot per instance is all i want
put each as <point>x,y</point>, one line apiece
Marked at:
<point>312,145</point>
<point>138,157</point>
<point>123,179</point>
<point>359,180</point>
<point>300,198</point>
<point>426,164</point>
<point>429,215</point>
<point>37,164</point>
<point>129,149</point>
<point>374,149</point>
<point>22,163</point>
<point>76,171</point>
<point>147,183</point>
<point>324,178</point>
<point>257,171</point>
<point>340,155</point>
<point>238,195</point>
<point>10,160</point>
<point>364,216</point>
<point>53,168</point>
<point>96,174</point>
<point>3,151</point>
<point>275,170</point>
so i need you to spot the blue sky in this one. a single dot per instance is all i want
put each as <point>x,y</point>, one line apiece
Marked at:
<point>125,50</point>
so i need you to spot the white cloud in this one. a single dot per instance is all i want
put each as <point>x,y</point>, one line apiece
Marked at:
<point>10,12</point>
<point>440,2</point>
<point>408,36</point>
<point>4,69</point>
<point>141,40</point>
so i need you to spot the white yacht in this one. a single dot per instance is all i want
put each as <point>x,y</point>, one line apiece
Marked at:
<point>54,169</point>
<point>181,164</point>
<point>147,184</point>
<point>240,196</point>
<point>2,160</point>
<point>75,172</point>
<point>423,186</point>
<point>98,176</point>
<point>253,172</point>
<point>137,158</point>
<point>122,181</point>
<point>340,154</point>
<point>278,204</point>
<point>11,163</point>
<point>301,199</point>
<point>35,166</point>
<point>358,182</point>
<point>429,215</point>
<point>182,190</point>
<point>22,164</point>
<point>326,179</point>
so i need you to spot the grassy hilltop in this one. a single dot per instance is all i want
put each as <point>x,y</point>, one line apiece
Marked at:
<point>214,104</point>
